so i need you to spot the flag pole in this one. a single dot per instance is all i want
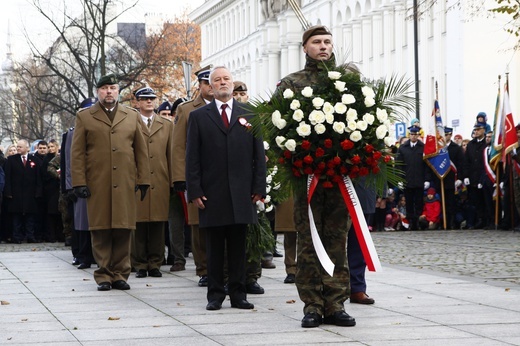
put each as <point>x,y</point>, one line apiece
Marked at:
<point>497,201</point>
<point>442,177</point>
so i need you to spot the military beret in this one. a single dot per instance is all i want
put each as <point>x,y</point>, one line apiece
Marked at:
<point>315,30</point>
<point>165,106</point>
<point>203,73</point>
<point>414,129</point>
<point>145,92</point>
<point>239,86</point>
<point>448,130</point>
<point>88,102</point>
<point>107,79</point>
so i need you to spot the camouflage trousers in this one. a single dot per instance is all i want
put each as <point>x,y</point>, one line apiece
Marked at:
<point>320,292</point>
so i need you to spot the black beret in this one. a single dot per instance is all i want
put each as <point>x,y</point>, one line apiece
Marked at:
<point>107,79</point>
<point>315,30</point>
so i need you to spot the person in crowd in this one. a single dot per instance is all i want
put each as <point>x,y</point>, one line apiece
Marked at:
<point>482,118</point>
<point>109,163</point>
<point>23,188</point>
<point>464,144</point>
<point>323,295</point>
<point>165,110</point>
<point>6,225</point>
<point>227,190</point>
<point>452,180</point>
<point>410,156</point>
<point>284,222</point>
<point>179,173</point>
<point>474,173</point>
<point>464,212</point>
<point>176,104</point>
<point>152,211</point>
<point>40,230</point>
<point>458,139</point>
<point>431,215</point>
<point>391,216</point>
<point>51,194</point>
<point>403,223</point>
<point>415,123</point>
<point>42,148</point>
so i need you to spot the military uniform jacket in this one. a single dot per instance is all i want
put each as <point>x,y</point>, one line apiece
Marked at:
<point>110,158</point>
<point>410,160</point>
<point>457,158</point>
<point>474,161</point>
<point>23,184</point>
<point>179,148</point>
<point>159,138</point>
<point>227,165</point>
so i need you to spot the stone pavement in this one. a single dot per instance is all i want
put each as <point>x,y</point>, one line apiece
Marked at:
<point>436,288</point>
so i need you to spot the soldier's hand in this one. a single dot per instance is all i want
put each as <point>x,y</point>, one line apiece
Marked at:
<point>179,186</point>
<point>82,192</point>
<point>143,189</point>
<point>466,181</point>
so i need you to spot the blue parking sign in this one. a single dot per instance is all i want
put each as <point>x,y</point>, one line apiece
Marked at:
<point>400,130</point>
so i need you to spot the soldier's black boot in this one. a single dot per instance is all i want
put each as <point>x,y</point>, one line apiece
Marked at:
<point>311,320</point>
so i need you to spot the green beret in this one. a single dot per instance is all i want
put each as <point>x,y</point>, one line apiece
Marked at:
<point>313,31</point>
<point>239,86</point>
<point>107,79</point>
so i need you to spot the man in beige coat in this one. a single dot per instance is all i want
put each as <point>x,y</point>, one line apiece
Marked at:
<point>152,212</point>
<point>179,170</point>
<point>109,162</point>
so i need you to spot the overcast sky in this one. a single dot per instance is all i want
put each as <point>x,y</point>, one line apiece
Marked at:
<point>21,14</point>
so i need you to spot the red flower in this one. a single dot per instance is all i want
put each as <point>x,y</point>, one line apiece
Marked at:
<point>337,179</point>
<point>287,154</point>
<point>343,170</point>
<point>354,169</point>
<point>377,155</point>
<point>321,166</point>
<point>347,144</point>
<point>369,148</point>
<point>331,164</point>
<point>330,172</point>
<point>355,159</point>
<point>306,145</point>
<point>363,171</point>
<point>320,152</point>
<point>337,160</point>
<point>296,172</point>
<point>369,161</point>
<point>281,160</point>
<point>308,159</point>
<point>298,163</point>
<point>375,169</point>
<point>308,170</point>
<point>327,184</point>
<point>387,158</point>
<point>328,143</point>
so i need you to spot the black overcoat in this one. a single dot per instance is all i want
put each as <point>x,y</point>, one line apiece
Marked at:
<point>411,159</point>
<point>23,184</point>
<point>227,165</point>
<point>474,162</point>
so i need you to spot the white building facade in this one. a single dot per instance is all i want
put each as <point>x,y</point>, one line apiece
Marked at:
<point>464,54</point>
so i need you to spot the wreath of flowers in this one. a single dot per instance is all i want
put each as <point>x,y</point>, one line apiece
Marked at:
<point>338,127</point>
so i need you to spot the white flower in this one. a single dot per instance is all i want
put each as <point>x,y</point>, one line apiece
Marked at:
<point>340,108</point>
<point>316,117</point>
<point>329,118</point>
<point>269,208</point>
<point>288,94</point>
<point>298,115</point>
<point>266,145</point>
<point>389,141</point>
<point>268,189</point>
<point>317,102</point>
<point>348,99</point>
<point>351,125</point>
<point>339,85</point>
<point>355,136</point>
<point>334,75</point>
<point>260,206</point>
<point>381,114</point>
<point>369,118</point>
<point>281,123</point>
<point>269,179</point>
<point>279,141</point>
<point>267,199</point>
<point>361,125</point>
<point>327,108</point>
<point>339,127</point>
<point>307,91</point>
<point>368,92</point>
<point>369,102</point>
<point>276,116</point>
<point>303,129</point>
<point>387,123</point>
<point>277,186</point>
<point>275,169</point>
<point>381,131</point>
<point>290,145</point>
<point>351,114</point>
<point>295,104</point>
<point>320,128</point>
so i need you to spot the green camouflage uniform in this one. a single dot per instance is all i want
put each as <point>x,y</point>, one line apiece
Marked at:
<point>321,293</point>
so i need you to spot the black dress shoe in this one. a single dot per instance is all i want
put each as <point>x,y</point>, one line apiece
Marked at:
<point>120,285</point>
<point>340,318</point>
<point>289,279</point>
<point>311,320</point>
<point>242,304</point>
<point>277,254</point>
<point>213,305</point>
<point>254,288</point>
<point>156,273</point>
<point>141,273</point>
<point>75,261</point>
<point>104,286</point>
<point>203,282</point>
<point>84,266</point>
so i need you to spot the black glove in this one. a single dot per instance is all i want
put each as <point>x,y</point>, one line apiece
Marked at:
<point>143,189</point>
<point>70,196</point>
<point>82,191</point>
<point>179,186</point>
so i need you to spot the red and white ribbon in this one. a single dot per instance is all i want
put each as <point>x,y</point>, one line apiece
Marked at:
<point>360,225</point>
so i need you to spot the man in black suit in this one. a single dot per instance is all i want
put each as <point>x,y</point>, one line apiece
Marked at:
<point>23,186</point>
<point>225,176</point>
<point>453,178</point>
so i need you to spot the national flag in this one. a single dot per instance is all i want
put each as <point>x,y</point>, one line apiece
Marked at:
<point>435,151</point>
<point>495,153</point>
<point>510,140</point>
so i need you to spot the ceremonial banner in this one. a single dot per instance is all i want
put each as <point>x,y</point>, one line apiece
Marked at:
<point>510,140</point>
<point>435,151</point>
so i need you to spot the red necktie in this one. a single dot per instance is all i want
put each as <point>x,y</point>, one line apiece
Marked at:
<point>224,115</point>
<point>24,160</point>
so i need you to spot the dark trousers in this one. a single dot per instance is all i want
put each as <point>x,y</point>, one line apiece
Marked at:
<point>84,253</point>
<point>414,204</point>
<point>24,226</point>
<point>233,239</point>
<point>111,250</point>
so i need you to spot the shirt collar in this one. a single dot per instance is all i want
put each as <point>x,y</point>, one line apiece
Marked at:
<point>229,103</point>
